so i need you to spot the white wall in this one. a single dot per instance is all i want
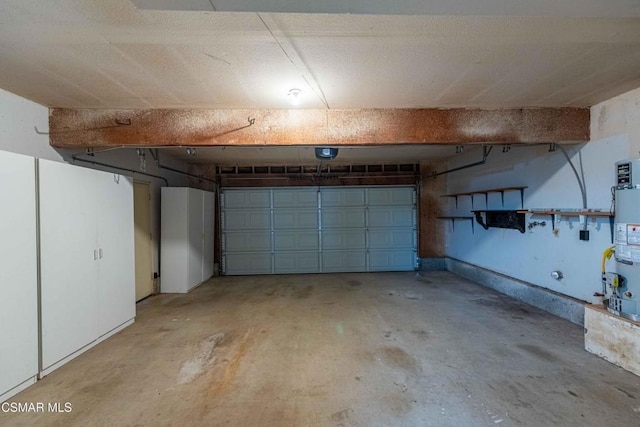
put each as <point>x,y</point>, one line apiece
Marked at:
<point>552,184</point>
<point>18,119</point>
<point>18,116</point>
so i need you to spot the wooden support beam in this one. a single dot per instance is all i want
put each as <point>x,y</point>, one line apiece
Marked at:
<point>188,127</point>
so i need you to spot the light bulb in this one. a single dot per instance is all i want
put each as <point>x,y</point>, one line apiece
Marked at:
<point>294,96</point>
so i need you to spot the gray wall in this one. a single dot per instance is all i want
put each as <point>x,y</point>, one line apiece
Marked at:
<point>532,256</point>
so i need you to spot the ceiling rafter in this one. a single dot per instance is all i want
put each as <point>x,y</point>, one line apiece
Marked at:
<point>273,127</point>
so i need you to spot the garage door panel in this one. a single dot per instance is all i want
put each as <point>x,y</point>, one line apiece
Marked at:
<point>344,239</point>
<point>307,197</point>
<point>247,220</point>
<point>392,238</point>
<point>296,240</point>
<point>247,263</point>
<point>344,261</point>
<point>390,260</point>
<point>247,199</point>
<point>343,218</point>
<point>333,197</point>
<point>391,217</point>
<point>297,230</point>
<point>297,262</point>
<point>244,241</point>
<point>391,196</point>
<point>295,219</point>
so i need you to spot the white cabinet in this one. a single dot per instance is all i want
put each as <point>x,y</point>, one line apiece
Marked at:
<point>18,274</point>
<point>87,259</point>
<point>186,241</point>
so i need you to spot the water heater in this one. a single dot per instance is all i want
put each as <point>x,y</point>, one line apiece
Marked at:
<point>624,296</point>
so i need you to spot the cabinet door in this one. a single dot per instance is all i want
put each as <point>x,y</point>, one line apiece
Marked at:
<point>18,267</point>
<point>208,231</point>
<point>68,257</point>
<point>195,237</point>
<point>116,257</point>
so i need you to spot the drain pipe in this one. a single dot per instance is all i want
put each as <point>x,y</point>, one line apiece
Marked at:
<point>485,153</point>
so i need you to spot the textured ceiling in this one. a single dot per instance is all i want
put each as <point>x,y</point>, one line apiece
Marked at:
<point>112,54</point>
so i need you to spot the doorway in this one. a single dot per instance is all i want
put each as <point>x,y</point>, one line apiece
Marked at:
<point>143,239</point>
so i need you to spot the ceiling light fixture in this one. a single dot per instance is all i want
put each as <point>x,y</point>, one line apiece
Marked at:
<point>294,96</point>
<point>326,153</point>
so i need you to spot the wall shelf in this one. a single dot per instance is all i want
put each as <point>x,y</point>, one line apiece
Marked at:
<point>558,212</point>
<point>582,214</point>
<point>500,190</point>
<point>501,219</point>
<point>454,218</point>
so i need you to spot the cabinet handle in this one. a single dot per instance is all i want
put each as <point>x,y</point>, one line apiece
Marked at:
<point>100,252</point>
<point>95,255</point>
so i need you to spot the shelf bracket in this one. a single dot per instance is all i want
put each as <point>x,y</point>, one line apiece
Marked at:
<point>480,220</point>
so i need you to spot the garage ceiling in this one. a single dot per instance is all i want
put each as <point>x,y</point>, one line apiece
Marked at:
<point>221,54</point>
<point>468,53</point>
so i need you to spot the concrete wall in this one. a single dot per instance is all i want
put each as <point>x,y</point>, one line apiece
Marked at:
<point>19,116</point>
<point>532,256</point>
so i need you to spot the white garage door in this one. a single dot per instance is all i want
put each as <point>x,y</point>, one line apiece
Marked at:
<point>311,230</point>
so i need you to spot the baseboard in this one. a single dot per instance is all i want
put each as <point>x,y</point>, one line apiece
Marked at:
<point>560,305</point>
<point>17,389</point>
<point>432,264</point>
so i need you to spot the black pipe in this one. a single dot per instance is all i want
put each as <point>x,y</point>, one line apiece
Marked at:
<point>156,157</point>
<point>93,162</point>
<point>185,173</point>
<point>485,154</point>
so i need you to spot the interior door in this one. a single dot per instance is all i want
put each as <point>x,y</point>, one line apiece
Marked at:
<point>116,256</point>
<point>68,259</point>
<point>143,240</point>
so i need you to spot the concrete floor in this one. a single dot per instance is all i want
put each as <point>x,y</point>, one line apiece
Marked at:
<point>383,349</point>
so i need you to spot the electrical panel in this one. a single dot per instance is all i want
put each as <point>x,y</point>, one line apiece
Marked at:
<point>628,174</point>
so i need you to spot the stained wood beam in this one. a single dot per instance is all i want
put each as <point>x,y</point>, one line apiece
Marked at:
<point>187,127</point>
